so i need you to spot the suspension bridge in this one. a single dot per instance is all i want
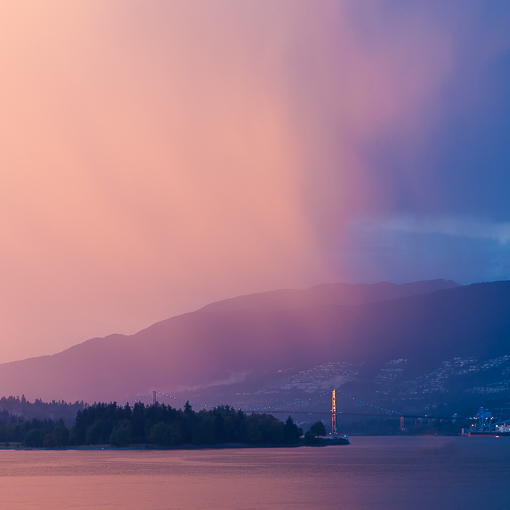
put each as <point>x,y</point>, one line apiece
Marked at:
<point>373,411</point>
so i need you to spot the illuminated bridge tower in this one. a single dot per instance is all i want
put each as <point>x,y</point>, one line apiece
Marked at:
<point>333,412</point>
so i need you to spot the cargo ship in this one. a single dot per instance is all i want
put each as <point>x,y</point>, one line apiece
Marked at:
<point>487,426</point>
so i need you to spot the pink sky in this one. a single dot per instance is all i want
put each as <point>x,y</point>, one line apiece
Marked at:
<point>157,156</point>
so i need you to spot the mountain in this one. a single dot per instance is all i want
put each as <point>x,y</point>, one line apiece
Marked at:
<point>327,294</point>
<point>397,343</point>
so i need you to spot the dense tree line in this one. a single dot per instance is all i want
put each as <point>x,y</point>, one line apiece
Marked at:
<point>158,425</point>
<point>165,426</point>
<point>54,410</point>
<point>32,433</point>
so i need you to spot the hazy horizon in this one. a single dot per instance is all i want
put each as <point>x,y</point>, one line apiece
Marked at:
<point>145,326</point>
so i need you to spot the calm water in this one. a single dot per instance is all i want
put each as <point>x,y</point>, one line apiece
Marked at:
<point>372,473</point>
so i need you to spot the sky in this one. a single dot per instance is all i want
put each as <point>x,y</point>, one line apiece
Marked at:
<point>158,156</point>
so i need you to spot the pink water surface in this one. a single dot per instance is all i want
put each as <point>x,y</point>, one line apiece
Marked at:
<point>397,473</point>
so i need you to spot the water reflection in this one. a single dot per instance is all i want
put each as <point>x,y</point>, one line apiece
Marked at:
<point>384,473</point>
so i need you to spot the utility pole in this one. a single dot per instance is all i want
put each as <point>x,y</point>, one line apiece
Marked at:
<point>154,400</point>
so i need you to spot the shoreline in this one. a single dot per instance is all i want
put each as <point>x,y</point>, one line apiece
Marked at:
<point>120,448</point>
<point>228,446</point>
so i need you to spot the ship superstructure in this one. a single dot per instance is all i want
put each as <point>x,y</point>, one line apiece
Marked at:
<point>487,425</point>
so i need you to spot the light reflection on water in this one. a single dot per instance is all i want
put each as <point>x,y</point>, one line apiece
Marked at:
<point>397,473</point>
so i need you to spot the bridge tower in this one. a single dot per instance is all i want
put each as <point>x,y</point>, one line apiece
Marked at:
<point>333,412</point>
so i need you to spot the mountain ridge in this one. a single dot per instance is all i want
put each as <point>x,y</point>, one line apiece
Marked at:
<point>327,294</point>
<point>208,349</point>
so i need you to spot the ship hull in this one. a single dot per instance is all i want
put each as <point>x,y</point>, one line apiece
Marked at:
<point>494,434</point>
